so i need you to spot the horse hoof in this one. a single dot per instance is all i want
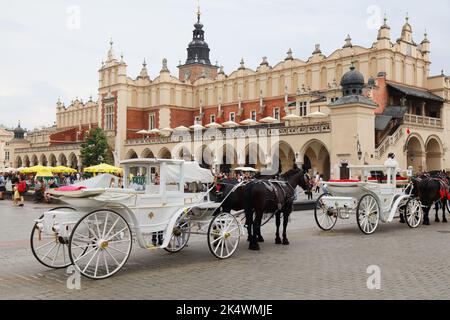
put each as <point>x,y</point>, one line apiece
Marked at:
<point>248,239</point>
<point>278,241</point>
<point>437,220</point>
<point>285,242</point>
<point>402,221</point>
<point>426,223</point>
<point>260,239</point>
<point>254,247</point>
<point>444,221</point>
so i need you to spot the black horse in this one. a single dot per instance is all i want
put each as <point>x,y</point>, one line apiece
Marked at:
<point>271,196</point>
<point>231,196</point>
<point>432,188</point>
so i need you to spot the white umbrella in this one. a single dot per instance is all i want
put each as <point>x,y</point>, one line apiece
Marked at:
<point>167,129</point>
<point>268,120</point>
<point>292,117</point>
<point>155,131</point>
<point>214,125</point>
<point>181,128</point>
<point>143,132</point>
<point>197,127</point>
<point>230,124</point>
<point>249,122</point>
<point>317,114</point>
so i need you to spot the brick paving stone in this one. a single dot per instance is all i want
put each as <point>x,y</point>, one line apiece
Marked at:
<point>317,265</point>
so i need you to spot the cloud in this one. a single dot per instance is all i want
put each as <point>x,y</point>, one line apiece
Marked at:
<point>33,105</point>
<point>42,59</point>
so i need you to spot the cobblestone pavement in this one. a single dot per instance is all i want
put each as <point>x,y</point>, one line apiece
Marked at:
<point>414,265</point>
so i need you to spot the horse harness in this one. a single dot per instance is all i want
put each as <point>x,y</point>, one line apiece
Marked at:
<point>280,198</point>
<point>443,182</point>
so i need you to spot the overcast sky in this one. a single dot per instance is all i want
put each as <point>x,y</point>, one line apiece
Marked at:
<point>53,49</point>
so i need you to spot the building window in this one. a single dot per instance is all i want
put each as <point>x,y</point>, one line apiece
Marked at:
<point>276,113</point>
<point>232,116</point>
<point>6,155</point>
<point>303,109</point>
<point>109,118</point>
<point>253,115</point>
<point>151,121</point>
<point>212,118</point>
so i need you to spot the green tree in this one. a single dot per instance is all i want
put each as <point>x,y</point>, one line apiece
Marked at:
<point>95,150</point>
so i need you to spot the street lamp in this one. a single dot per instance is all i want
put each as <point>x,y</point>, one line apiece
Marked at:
<point>358,146</point>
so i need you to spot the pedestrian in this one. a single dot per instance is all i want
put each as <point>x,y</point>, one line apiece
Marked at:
<point>2,186</point>
<point>21,188</point>
<point>317,183</point>
<point>310,189</point>
<point>39,190</point>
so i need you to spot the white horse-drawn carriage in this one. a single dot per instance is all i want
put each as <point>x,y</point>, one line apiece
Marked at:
<point>95,232</point>
<point>372,200</point>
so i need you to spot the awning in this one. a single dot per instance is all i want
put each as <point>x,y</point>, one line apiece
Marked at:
<point>396,112</point>
<point>414,92</point>
<point>381,122</point>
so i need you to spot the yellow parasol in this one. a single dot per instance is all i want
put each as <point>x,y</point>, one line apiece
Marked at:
<point>34,169</point>
<point>46,173</point>
<point>63,169</point>
<point>104,168</point>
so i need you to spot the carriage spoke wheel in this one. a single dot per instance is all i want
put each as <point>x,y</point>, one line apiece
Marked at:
<point>224,234</point>
<point>50,250</point>
<point>180,235</point>
<point>413,213</point>
<point>100,244</point>
<point>325,219</point>
<point>368,214</point>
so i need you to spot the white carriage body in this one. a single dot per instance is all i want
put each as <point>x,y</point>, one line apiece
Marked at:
<point>346,195</point>
<point>148,207</point>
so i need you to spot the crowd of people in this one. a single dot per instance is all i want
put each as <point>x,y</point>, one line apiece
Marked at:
<point>316,185</point>
<point>15,185</point>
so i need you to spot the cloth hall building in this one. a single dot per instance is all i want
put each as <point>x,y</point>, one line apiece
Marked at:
<point>353,106</point>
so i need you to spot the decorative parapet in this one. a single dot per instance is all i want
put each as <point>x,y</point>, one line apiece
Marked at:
<point>389,141</point>
<point>64,147</point>
<point>422,121</point>
<point>241,132</point>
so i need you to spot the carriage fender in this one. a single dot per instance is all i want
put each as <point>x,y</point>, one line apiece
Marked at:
<point>171,225</point>
<point>395,207</point>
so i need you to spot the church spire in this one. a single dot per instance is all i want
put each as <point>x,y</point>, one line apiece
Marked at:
<point>197,63</point>
<point>198,11</point>
<point>198,47</point>
<point>110,51</point>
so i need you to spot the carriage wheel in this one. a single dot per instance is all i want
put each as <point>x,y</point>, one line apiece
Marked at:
<point>368,214</point>
<point>100,244</point>
<point>413,213</point>
<point>50,251</point>
<point>224,234</point>
<point>180,235</point>
<point>325,219</point>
